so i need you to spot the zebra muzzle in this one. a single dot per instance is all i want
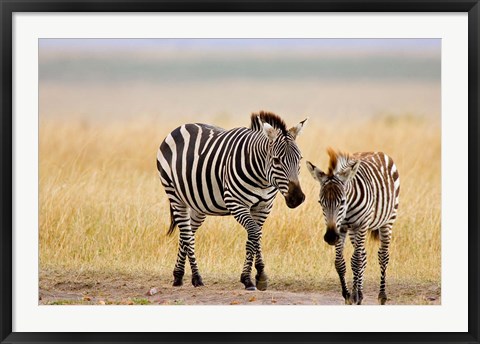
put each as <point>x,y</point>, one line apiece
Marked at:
<point>331,236</point>
<point>295,195</point>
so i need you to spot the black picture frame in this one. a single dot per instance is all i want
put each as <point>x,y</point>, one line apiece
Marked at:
<point>9,7</point>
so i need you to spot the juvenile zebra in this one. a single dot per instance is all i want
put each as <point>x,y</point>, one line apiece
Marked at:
<point>206,170</point>
<point>358,193</point>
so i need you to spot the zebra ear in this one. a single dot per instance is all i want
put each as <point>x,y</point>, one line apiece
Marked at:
<point>269,131</point>
<point>296,130</point>
<point>347,174</point>
<point>317,174</point>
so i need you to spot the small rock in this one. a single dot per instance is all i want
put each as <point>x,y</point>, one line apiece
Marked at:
<point>152,291</point>
<point>87,298</point>
<point>252,299</point>
<point>101,302</point>
<point>235,302</point>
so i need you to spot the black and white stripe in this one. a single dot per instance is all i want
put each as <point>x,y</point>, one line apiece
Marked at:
<point>360,192</point>
<point>207,170</point>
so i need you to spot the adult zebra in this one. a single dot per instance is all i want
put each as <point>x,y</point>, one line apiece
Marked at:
<point>358,193</point>
<point>207,170</point>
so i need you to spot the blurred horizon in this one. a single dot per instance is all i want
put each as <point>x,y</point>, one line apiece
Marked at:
<point>124,78</point>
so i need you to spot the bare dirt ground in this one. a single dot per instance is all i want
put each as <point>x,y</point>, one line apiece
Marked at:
<point>63,289</point>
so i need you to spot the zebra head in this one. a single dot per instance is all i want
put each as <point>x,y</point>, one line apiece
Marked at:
<point>283,162</point>
<point>333,196</point>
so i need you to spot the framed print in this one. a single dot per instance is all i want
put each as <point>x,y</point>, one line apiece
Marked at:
<point>219,172</point>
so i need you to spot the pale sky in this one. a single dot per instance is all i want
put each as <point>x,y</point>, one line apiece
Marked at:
<point>374,45</point>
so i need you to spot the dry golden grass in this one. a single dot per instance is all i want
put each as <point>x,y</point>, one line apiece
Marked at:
<point>103,209</point>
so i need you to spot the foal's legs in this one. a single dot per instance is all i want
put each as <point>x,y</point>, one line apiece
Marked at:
<point>359,263</point>
<point>385,234</point>
<point>340,265</point>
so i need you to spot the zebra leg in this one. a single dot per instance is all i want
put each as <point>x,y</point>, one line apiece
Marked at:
<point>182,219</point>
<point>340,266</point>
<point>254,233</point>
<point>261,279</point>
<point>196,220</point>
<point>359,263</point>
<point>383,258</point>
<point>351,235</point>
<point>186,248</point>
<point>252,246</point>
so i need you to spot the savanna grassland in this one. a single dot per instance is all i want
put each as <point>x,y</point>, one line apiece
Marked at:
<point>103,218</point>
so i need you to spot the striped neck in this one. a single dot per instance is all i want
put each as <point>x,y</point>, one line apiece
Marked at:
<point>258,147</point>
<point>350,189</point>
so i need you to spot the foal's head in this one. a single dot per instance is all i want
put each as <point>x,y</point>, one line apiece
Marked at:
<point>333,187</point>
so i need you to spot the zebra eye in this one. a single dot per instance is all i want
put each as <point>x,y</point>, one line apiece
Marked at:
<point>342,202</point>
<point>276,161</point>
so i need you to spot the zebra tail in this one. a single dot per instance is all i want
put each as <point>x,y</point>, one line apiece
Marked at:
<point>173,224</point>
<point>375,235</point>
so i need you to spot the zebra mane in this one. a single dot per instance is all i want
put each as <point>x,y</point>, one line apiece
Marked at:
<point>268,117</point>
<point>338,161</point>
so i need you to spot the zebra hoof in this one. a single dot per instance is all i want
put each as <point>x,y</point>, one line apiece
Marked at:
<point>352,300</point>
<point>346,296</point>
<point>247,282</point>
<point>262,283</point>
<point>356,298</point>
<point>177,282</point>
<point>197,281</point>
<point>382,299</point>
